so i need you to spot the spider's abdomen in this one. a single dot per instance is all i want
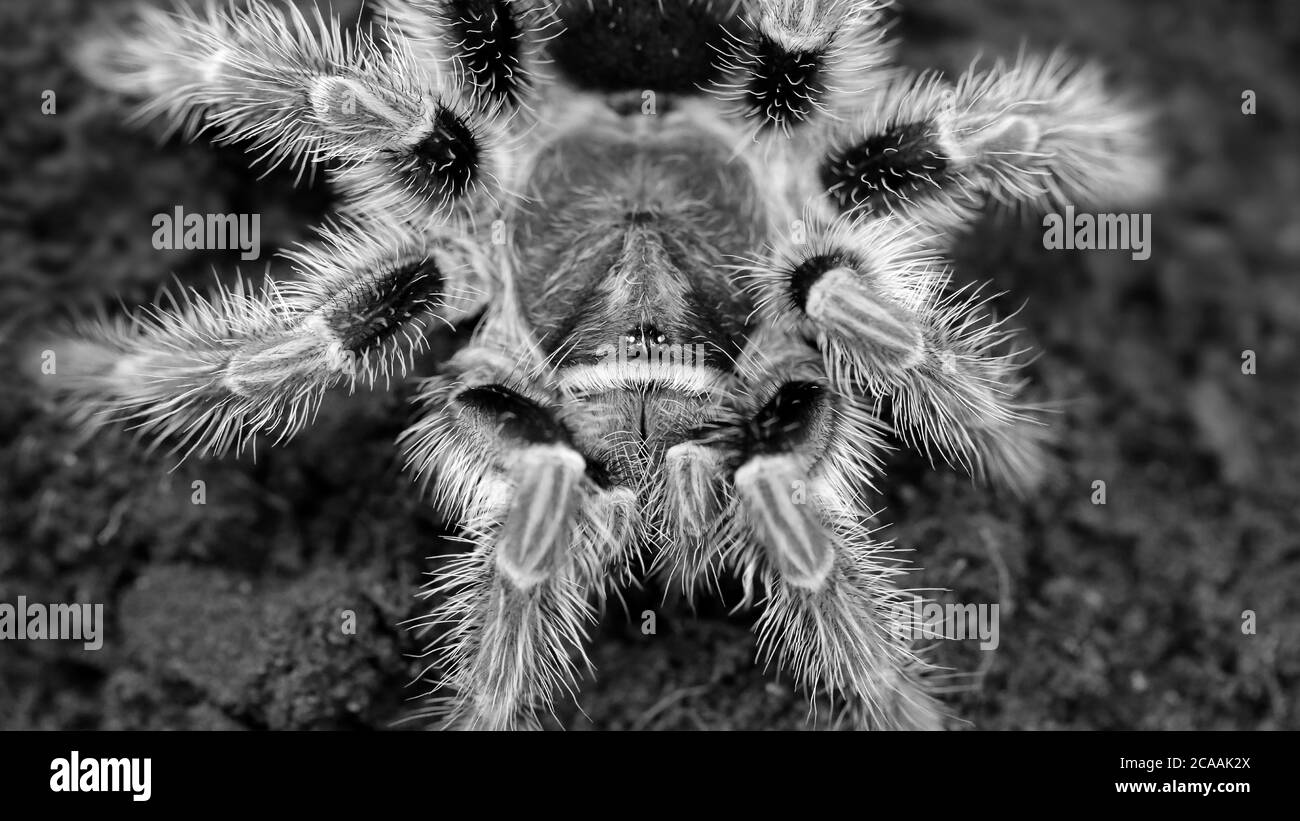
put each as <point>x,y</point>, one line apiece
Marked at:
<point>667,46</point>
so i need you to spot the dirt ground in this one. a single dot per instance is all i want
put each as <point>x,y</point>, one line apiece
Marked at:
<point>1126,615</point>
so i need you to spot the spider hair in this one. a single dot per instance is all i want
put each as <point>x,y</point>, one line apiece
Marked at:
<point>874,296</point>
<point>493,48</point>
<point>1037,133</point>
<point>801,61</point>
<point>207,372</point>
<point>782,211</point>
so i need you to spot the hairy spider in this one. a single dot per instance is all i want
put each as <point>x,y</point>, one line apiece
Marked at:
<point>703,247</point>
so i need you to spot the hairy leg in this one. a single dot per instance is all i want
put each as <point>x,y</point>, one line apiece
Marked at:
<point>1040,132</point>
<point>874,300</point>
<point>207,373</point>
<point>801,61</point>
<point>305,91</point>
<point>774,496</point>
<point>491,47</point>
<point>543,527</point>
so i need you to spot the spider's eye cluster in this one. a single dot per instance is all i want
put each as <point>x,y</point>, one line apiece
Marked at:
<point>646,335</point>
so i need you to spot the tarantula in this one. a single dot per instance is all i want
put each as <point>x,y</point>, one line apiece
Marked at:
<point>702,245</point>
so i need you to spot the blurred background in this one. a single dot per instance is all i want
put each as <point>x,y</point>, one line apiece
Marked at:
<point>1122,616</point>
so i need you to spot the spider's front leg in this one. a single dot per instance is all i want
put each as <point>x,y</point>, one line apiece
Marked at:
<point>792,526</point>
<point>872,297</point>
<point>400,137</point>
<point>208,372</point>
<point>543,525</point>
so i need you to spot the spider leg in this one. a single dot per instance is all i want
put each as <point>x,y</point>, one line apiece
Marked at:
<point>1038,133</point>
<point>304,91</point>
<point>207,372</point>
<point>872,296</point>
<point>801,61</point>
<point>788,478</point>
<point>543,526</point>
<point>491,47</point>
